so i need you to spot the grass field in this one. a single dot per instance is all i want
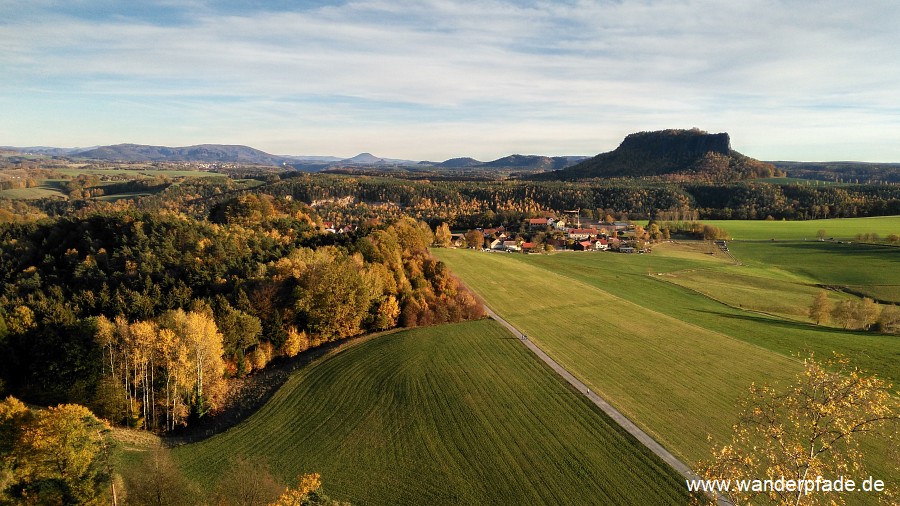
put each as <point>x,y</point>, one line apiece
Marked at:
<point>626,276</point>
<point>46,188</point>
<point>456,414</point>
<point>672,359</point>
<point>619,347</point>
<point>54,187</point>
<point>870,269</point>
<point>839,228</point>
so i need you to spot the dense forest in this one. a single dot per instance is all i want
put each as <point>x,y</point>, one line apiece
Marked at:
<point>466,204</point>
<point>141,315</point>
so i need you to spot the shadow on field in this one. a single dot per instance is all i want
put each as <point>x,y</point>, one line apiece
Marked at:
<point>248,394</point>
<point>776,322</point>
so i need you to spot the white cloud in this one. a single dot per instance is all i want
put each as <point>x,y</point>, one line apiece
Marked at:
<point>393,72</point>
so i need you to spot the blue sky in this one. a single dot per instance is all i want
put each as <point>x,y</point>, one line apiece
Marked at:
<point>436,79</point>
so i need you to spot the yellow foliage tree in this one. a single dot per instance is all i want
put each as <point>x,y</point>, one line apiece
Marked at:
<point>197,334</point>
<point>820,309</point>
<point>810,430</point>
<point>296,342</point>
<point>388,311</point>
<point>62,457</point>
<point>442,236</point>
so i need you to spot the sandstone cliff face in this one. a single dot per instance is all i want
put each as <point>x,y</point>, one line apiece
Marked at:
<point>687,144</point>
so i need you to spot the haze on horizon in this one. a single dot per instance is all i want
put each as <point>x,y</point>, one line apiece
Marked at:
<point>437,79</point>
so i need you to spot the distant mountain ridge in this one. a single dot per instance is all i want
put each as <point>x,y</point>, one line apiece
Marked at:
<point>530,163</point>
<point>210,153</point>
<point>668,154</point>
<point>239,154</point>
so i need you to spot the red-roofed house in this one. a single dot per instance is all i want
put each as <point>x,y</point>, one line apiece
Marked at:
<point>582,246</point>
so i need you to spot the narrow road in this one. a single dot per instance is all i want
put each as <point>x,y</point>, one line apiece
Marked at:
<point>612,412</point>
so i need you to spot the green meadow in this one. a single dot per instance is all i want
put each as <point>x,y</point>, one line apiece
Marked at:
<point>672,357</point>
<point>455,414</point>
<point>728,298</point>
<point>45,188</point>
<point>838,228</point>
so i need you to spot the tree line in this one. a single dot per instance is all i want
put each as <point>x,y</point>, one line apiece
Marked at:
<point>140,316</point>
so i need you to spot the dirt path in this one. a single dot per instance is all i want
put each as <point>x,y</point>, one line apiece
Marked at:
<point>612,412</point>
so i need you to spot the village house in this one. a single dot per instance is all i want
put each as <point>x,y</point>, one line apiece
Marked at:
<point>581,234</point>
<point>540,222</point>
<point>582,246</point>
<point>490,232</point>
<point>601,245</point>
<point>511,246</point>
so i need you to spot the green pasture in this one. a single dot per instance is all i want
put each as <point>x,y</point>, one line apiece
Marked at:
<point>455,414</point>
<point>46,188</point>
<point>838,228</point>
<point>868,269</point>
<point>747,291</point>
<point>659,370</point>
<point>717,301</point>
<point>674,360</point>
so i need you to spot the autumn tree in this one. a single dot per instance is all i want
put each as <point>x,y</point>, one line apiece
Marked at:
<point>332,299</point>
<point>61,457</point>
<point>155,480</point>
<point>306,493</point>
<point>442,236</point>
<point>240,330</point>
<point>844,314</point>
<point>474,239</point>
<point>247,482</point>
<point>296,342</point>
<point>199,340</point>
<point>889,320</point>
<point>812,428</point>
<point>387,313</point>
<point>866,312</point>
<point>820,310</point>
<point>14,417</point>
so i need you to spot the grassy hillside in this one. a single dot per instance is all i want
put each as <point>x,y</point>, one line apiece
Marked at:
<point>457,414</point>
<point>672,359</point>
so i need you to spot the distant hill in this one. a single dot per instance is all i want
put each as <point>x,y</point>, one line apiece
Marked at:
<point>669,154</point>
<point>456,163</point>
<point>45,150</point>
<point>370,159</point>
<point>209,153</point>
<point>525,163</point>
